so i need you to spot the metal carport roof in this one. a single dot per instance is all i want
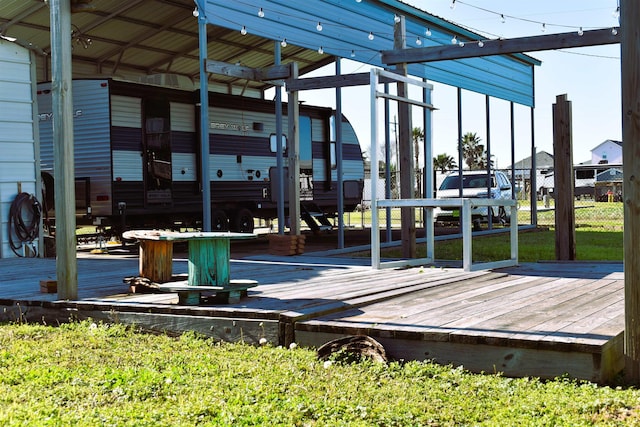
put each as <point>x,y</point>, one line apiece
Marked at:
<point>130,39</point>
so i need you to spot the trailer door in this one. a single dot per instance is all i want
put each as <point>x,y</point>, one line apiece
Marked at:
<point>157,152</point>
<point>306,159</point>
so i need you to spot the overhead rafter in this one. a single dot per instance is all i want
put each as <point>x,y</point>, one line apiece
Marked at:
<point>502,46</point>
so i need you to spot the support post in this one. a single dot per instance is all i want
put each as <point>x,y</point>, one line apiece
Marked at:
<point>407,173</point>
<point>279,150</point>
<point>339,159</point>
<point>204,121</point>
<point>428,176</point>
<point>294,157</point>
<point>563,180</point>
<point>64,187</point>
<point>630,56</point>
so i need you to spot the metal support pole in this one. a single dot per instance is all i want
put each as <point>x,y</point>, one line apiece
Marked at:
<point>339,156</point>
<point>204,121</point>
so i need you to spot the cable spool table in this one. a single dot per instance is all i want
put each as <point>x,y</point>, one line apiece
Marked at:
<point>209,263</point>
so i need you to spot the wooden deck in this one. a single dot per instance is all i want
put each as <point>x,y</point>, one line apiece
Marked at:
<point>543,319</point>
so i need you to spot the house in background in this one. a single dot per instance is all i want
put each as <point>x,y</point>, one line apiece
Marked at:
<point>609,151</point>
<point>544,166</point>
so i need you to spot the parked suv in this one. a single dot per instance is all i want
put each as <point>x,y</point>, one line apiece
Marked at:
<point>476,184</point>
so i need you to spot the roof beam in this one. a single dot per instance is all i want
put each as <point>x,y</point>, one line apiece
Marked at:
<point>502,47</point>
<point>255,74</point>
<point>332,82</point>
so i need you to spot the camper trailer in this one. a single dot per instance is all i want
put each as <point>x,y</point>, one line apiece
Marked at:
<point>138,157</point>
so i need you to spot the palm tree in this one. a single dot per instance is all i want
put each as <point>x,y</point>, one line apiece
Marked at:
<point>472,150</point>
<point>418,136</point>
<point>444,163</point>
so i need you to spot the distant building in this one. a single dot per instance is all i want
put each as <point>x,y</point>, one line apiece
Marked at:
<point>607,152</point>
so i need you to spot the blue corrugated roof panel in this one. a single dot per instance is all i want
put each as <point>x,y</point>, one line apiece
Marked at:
<point>346,25</point>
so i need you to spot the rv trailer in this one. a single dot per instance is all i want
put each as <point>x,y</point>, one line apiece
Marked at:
<point>138,158</point>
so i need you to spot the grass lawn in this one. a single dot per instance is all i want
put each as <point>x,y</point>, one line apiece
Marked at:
<point>83,374</point>
<point>533,246</point>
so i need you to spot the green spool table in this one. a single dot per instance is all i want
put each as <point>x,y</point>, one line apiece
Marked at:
<point>209,263</point>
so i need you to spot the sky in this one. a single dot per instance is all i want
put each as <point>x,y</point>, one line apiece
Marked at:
<point>590,77</point>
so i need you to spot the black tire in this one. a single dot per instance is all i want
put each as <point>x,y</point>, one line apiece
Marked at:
<point>219,221</point>
<point>243,221</point>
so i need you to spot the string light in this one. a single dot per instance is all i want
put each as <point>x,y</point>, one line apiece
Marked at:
<point>454,40</point>
<point>614,31</point>
<point>461,44</point>
<point>320,50</point>
<point>371,36</point>
<point>196,12</point>
<point>358,1</point>
<point>418,41</point>
<point>396,18</point>
<point>319,26</point>
<point>283,43</point>
<point>453,4</point>
<point>480,43</point>
<point>544,27</point>
<point>243,31</point>
<point>502,18</point>
<point>580,32</point>
<point>428,32</point>
<point>353,52</point>
<point>616,13</point>
<point>261,13</point>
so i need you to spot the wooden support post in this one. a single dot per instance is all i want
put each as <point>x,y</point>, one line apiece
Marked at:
<point>293,146</point>
<point>629,53</point>
<point>63,157</point>
<point>405,144</point>
<point>563,180</point>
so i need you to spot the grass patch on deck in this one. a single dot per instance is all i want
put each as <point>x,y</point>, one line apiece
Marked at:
<point>87,374</point>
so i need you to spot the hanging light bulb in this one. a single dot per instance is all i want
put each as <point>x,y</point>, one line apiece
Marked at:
<point>371,36</point>
<point>480,43</point>
<point>358,1</point>
<point>428,32</point>
<point>461,44</point>
<point>319,26</point>
<point>283,43</point>
<point>243,31</point>
<point>454,40</point>
<point>396,18</point>
<point>418,41</point>
<point>616,13</point>
<point>502,18</point>
<point>614,31</point>
<point>580,32</point>
<point>196,12</point>
<point>453,4</point>
<point>320,50</point>
<point>544,27</point>
<point>353,52</point>
<point>261,13</point>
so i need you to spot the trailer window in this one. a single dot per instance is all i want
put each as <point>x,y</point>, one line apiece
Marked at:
<point>273,140</point>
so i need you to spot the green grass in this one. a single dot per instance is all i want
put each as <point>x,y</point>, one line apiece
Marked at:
<point>85,374</point>
<point>533,246</point>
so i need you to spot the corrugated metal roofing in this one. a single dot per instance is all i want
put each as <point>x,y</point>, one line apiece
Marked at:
<point>133,38</point>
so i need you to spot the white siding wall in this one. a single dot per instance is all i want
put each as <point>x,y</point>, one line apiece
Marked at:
<point>18,153</point>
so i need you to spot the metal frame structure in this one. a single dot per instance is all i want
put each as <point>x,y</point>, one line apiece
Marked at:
<point>428,204</point>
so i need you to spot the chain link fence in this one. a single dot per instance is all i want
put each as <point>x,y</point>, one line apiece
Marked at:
<point>597,201</point>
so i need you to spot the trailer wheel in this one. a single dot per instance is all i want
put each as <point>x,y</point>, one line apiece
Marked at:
<point>243,221</point>
<point>219,220</point>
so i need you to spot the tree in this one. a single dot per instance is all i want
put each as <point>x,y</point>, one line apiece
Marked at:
<point>444,163</point>
<point>418,136</point>
<point>473,152</point>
